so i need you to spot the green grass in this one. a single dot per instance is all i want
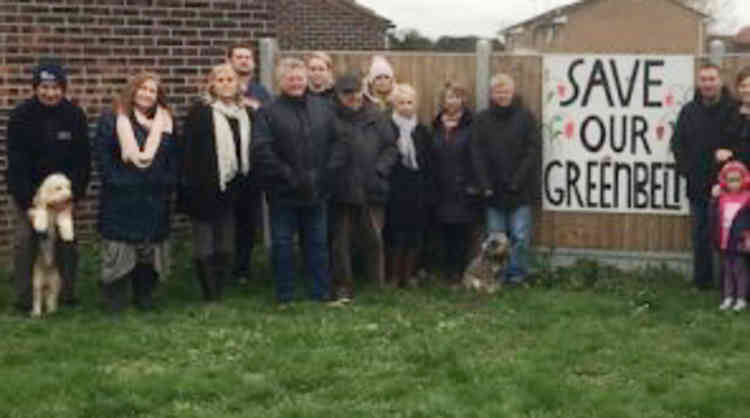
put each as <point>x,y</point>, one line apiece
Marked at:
<point>587,341</point>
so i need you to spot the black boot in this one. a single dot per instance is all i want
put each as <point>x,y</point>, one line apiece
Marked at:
<point>204,273</point>
<point>222,269</point>
<point>67,257</point>
<point>144,282</point>
<point>116,294</point>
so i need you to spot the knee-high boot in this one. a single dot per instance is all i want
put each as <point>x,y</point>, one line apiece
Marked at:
<point>144,280</point>
<point>205,274</point>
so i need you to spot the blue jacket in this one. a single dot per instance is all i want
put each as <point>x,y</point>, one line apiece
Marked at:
<point>134,204</point>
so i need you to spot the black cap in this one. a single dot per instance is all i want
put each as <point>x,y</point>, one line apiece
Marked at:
<point>348,83</point>
<point>49,71</point>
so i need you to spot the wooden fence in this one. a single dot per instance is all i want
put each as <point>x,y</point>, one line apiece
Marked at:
<point>632,233</point>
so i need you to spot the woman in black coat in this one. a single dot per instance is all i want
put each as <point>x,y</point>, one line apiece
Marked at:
<point>412,191</point>
<point>457,211</point>
<point>216,164</point>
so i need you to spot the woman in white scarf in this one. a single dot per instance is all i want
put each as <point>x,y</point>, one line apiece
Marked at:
<point>411,189</point>
<point>216,163</point>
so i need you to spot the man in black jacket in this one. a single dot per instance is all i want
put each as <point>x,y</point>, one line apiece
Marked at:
<point>46,134</point>
<point>292,140</point>
<point>696,141</point>
<point>505,149</point>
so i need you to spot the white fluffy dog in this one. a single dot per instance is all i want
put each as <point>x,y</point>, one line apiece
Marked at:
<point>482,273</point>
<point>51,215</point>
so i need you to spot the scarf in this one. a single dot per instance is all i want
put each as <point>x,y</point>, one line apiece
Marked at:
<point>450,122</point>
<point>226,154</point>
<point>405,141</point>
<point>130,151</point>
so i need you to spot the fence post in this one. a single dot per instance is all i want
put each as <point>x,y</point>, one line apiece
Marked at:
<point>268,48</point>
<point>482,88</point>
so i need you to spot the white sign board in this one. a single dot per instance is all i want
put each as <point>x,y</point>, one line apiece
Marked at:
<point>607,122</point>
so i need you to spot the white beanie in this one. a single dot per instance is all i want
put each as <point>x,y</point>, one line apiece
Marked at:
<point>380,66</point>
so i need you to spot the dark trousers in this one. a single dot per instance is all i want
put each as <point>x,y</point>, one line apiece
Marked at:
<point>702,249</point>
<point>247,217</point>
<point>351,223</point>
<point>459,245</point>
<point>25,252</point>
<point>311,223</point>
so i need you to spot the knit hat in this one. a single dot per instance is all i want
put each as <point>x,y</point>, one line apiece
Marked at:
<point>348,83</point>
<point>734,166</point>
<point>49,71</point>
<point>379,66</point>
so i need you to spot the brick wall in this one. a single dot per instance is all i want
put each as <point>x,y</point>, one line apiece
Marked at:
<point>102,43</point>
<point>329,25</point>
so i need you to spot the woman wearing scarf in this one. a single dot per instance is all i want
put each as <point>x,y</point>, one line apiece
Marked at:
<point>138,165</point>
<point>412,188</point>
<point>362,158</point>
<point>457,211</point>
<point>216,162</point>
<point>380,83</point>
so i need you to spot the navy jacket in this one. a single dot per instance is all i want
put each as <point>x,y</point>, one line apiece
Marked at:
<point>134,204</point>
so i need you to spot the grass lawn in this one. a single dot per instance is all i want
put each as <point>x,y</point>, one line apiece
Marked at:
<point>583,342</point>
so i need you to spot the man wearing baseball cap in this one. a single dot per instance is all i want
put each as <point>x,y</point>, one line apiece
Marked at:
<point>46,134</point>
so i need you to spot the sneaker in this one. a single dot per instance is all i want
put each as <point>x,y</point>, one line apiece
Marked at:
<point>740,305</point>
<point>726,304</point>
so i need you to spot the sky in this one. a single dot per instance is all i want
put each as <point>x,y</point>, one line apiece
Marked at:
<point>483,18</point>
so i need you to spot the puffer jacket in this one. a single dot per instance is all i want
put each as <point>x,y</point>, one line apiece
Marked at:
<point>292,140</point>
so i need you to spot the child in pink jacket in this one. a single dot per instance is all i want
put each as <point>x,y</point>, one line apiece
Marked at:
<point>733,234</point>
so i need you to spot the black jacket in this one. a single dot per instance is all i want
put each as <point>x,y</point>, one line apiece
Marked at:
<point>413,192</point>
<point>365,152</point>
<point>506,151</point>
<point>292,140</point>
<point>454,173</point>
<point>200,196</point>
<point>698,133</point>
<point>43,140</point>
<point>134,204</point>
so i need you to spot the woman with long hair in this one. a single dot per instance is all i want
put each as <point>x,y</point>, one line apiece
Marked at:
<point>138,164</point>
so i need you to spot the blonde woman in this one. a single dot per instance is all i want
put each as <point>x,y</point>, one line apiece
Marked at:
<point>319,74</point>
<point>216,162</point>
<point>138,165</point>
<point>412,188</point>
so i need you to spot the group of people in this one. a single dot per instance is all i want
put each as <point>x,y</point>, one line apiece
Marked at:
<point>343,162</point>
<point>711,146</point>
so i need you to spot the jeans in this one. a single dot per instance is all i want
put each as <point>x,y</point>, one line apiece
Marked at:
<point>516,224</point>
<point>311,224</point>
<point>702,250</point>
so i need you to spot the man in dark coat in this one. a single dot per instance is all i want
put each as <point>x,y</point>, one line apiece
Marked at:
<point>248,209</point>
<point>506,149</point>
<point>697,138</point>
<point>46,134</point>
<point>366,149</point>
<point>292,140</point>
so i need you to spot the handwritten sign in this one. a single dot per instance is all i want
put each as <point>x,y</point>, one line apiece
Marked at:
<point>607,125</point>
